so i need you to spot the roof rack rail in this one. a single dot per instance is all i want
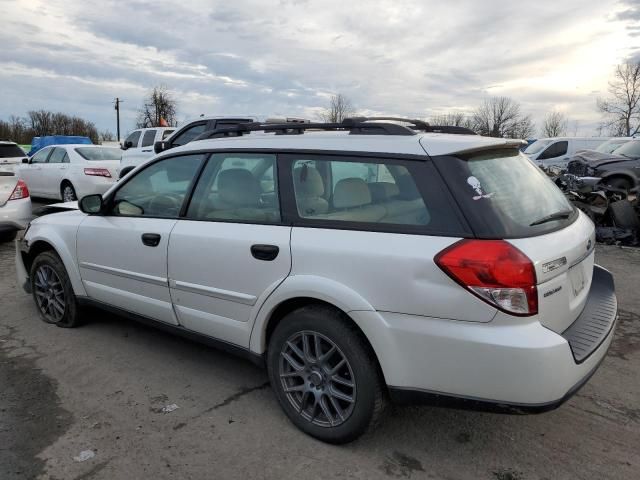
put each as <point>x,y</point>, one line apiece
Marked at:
<point>355,126</point>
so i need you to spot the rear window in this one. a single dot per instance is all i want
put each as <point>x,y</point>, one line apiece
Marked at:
<point>9,151</point>
<point>97,153</point>
<point>504,195</point>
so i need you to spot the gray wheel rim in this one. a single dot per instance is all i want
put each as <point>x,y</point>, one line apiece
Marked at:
<point>317,379</point>
<point>68,195</point>
<point>49,293</point>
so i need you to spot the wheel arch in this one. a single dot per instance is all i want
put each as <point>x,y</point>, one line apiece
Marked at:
<point>299,291</point>
<point>625,174</point>
<point>54,243</point>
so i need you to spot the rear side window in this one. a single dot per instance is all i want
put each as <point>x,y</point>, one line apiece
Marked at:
<point>504,195</point>
<point>147,139</point>
<point>58,155</point>
<point>378,194</point>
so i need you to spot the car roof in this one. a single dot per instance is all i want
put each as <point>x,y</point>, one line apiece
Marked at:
<point>433,143</point>
<point>7,142</point>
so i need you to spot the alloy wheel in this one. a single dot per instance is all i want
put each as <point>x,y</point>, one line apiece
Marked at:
<point>49,294</point>
<point>68,194</point>
<point>317,379</point>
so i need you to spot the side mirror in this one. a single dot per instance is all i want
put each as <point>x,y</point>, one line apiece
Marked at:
<point>127,144</point>
<point>25,160</point>
<point>91,204</point>
<point>161,146</point>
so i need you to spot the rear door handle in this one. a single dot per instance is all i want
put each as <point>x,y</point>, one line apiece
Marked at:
<point>265,252</point>
<point>151,239</point>
<point>146,150</point>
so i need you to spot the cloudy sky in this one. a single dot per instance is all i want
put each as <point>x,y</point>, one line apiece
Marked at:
<point>407,57</point>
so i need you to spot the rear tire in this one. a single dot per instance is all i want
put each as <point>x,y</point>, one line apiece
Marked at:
<point>68,192</point>
<point>324,374</point>
<point>52,291</point>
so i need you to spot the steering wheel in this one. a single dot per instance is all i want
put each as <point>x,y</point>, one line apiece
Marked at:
<point>165,203</point>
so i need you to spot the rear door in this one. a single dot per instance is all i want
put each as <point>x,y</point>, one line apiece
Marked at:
<point>231,251</point>
<point>122,254</point>
<point>504,196</point>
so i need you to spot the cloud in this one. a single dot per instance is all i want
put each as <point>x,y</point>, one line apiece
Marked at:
<point>414,58</point>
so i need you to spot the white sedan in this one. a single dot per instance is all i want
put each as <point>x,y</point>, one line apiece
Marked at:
<point>70,172</point>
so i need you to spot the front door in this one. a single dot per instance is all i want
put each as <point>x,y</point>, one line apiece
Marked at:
<point>122,254</point>
<point>231,251</point>
<point>31,173</point>
<point>52,173</point>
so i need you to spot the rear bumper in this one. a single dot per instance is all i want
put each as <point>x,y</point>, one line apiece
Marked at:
<point>15,215</point>
<point>509,364</point>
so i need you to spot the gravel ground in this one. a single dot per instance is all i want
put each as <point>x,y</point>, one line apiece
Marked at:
<point>102,388</point>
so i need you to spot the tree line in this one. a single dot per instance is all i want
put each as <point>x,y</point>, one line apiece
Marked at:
<point>39,123</point>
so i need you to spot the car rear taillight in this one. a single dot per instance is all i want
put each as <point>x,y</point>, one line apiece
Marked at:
<point>21,191</point>
<point>495,271</point>
<point>97,172</point>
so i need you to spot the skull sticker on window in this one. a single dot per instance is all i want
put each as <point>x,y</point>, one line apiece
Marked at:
<point>475,184</point>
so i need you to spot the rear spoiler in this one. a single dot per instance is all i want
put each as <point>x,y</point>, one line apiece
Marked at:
<point>507,143</point>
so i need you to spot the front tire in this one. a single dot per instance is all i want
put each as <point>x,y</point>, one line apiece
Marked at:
<point>68,193</point>
<point>324,374</point>
<point>7,236</point>
<point>52,291</point>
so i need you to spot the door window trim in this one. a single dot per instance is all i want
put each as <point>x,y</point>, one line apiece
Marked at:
<point>108,201</point>
<point>291,215</point>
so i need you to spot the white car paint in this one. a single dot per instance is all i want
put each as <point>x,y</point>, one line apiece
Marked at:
<point>15,213</point>
<point>53,167</point>
<point>141,149</point>
<point>563,149</point>
<point>427,332</point>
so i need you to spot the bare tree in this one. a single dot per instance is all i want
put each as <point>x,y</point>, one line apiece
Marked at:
<point>455,119</point>
<point>622,108</point>
<point>107,136</point>
<point>501,117</point>
<point>159,107</point>
<point>340,107</point>
<point>555,125</point>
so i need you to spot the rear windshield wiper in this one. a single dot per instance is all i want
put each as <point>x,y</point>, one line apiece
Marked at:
<point>554,216</point>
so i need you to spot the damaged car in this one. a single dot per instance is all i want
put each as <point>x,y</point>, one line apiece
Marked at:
<point>620,170</point>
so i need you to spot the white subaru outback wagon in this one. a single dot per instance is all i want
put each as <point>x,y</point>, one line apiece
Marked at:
<point>371,260</point>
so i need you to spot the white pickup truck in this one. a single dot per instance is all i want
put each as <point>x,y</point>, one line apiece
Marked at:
<point>138,146</point>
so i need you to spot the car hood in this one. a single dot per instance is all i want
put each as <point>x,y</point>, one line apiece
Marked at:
<point>595,159</point>
<point>7,184</point>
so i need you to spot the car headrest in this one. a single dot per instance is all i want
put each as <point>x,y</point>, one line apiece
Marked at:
<point>351,192</point>
<point>308,182</point>
<point>383,191</point>
<point>238,187</point>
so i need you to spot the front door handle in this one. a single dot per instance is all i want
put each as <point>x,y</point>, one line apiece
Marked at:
<point>151,239</point>
<point>265,252</point>
<point>146,150</point>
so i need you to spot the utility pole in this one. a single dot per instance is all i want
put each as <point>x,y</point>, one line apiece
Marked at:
<point>117,107</point>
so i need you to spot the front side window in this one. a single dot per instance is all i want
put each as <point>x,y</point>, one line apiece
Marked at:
<point>556,150</point>
<point>133,137</point>
<point>188,135</point>
<point>148,138</point>
<point>159,190</point>
<point>343,190</point>
<point>58,155</point>
<point>237,187</point>
<point>41,156</point>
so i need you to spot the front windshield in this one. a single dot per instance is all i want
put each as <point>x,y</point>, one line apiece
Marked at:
<point>629,149</point>
<point>537,146</point>
<point>610,146</point>
<point>99,153</point>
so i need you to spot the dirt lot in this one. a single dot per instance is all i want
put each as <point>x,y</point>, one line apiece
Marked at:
<point>102,388</point>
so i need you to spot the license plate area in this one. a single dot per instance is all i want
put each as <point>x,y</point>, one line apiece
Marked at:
<point>576,276</point>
